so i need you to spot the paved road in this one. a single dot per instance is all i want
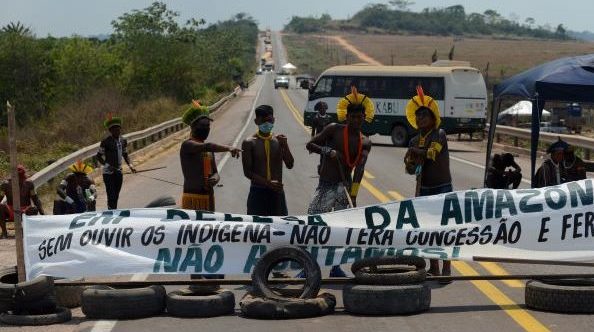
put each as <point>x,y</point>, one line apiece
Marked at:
<point>460,306</point>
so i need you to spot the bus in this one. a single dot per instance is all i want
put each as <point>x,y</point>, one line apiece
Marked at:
<point>460,92</point>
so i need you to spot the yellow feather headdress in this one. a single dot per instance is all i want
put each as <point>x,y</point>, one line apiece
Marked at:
<point>355,99</point>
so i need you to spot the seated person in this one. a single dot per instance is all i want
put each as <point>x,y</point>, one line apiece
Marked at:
<point>551,172</point>
<point>28,196</point>
<point>77,192</point>
<point>498,174</point>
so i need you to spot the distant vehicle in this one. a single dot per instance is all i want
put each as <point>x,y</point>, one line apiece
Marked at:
<point>304,81</point>
<point>259,71</point>
<point>281,81</point>
<point>460,92</point>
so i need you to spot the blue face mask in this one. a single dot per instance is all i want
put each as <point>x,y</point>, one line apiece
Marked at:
<point>266,127</point>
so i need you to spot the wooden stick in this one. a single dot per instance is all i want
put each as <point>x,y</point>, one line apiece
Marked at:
<point>16,192</point>
<point>530,261</point>
<point>146,170</point>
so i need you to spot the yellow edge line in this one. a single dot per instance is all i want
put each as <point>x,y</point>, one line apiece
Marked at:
<point>396,195</point>
<point>519,315</point>
<point>498,270</point>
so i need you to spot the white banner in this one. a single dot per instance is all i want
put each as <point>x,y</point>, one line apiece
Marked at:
<point>553,223</point>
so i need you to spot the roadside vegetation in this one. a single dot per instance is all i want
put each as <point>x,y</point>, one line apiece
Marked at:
<point>151,66</point>
<point>395,17</point>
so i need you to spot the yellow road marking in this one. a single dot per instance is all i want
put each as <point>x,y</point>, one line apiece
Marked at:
<point>368,175</point>
<point>396,195</point>
<point>519,315</point>
<point>498,270</point>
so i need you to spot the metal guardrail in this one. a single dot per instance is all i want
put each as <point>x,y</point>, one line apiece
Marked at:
<point>136,141</point>
<point>585,143</point>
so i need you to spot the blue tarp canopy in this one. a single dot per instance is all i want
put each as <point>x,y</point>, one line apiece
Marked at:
<point>567,79</point>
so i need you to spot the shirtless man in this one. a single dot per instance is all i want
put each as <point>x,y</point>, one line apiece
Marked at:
<point>198,162</point>
<point>263,156</point>
<point>28,196</point>
<point>346,151</point>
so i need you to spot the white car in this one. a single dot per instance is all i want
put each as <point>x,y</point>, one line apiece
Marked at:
<point>281,81</point>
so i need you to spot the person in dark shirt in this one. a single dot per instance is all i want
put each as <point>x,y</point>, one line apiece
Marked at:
<point>573,166</point>
<point>76,193</point>
<point>551,172</point>
<point>112,150</point>
<point>320,121</point>
<point>498,174</point>
<point>428,157</point>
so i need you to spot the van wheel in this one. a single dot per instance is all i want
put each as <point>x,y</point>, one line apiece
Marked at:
<point>399,136</point>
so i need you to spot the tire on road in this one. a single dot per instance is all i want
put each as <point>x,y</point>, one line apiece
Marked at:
<point>161,202</point>
<point>11,291</point>
<point>36,307</point>
<point>253,306</point>
<point>103,302</point>
<point>366,272</point>
<point>59,315</point>
<point>563,296</point>
<point>399,135</point>
<point>183,303</point>
<point>313,275</point>
<point>386,300</point>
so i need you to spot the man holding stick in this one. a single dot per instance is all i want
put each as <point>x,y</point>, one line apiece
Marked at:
<point>345,150</point>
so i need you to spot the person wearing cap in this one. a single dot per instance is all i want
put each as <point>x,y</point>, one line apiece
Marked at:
<point>551,172</point>
<point>28,196</point>
<point>197,160</point>
<point>573,166</point>
<point>319,122</point>
<point>76,193</point>
<point>499,176</point>
<point>264,154</point>
<point>112,150</point>
<point>428,157</point>
<point>346,150</point>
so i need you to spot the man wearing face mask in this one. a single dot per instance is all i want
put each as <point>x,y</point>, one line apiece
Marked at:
<point>263,156</point>
<point>198,162</point>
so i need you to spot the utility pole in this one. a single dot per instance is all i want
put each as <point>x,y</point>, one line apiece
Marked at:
<point>16,192</point>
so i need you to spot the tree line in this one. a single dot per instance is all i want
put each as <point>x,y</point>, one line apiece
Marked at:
<point>395,17</point>
<point>149,55</point>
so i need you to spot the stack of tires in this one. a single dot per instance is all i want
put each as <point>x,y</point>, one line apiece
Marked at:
<point>398,290</point>
<point>29,303</point>
<point>267,302</point>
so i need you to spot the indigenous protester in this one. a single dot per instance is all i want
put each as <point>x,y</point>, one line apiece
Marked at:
<point>574,166</point>
<point>551,171</point>
<point>28,196</point>
<point>498,174</point>
<point>198,162</point>
<point>112,150</point>
<point>77,192</point>
<point>428,157</point>
<point>263,156</point>
<point>320,121</point>
<point>345,150</point>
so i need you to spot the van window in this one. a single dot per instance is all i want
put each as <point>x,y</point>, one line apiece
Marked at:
<point>375,87</point>
<point>322,89</point>
<point>406,87</point>
<point>342,85</point>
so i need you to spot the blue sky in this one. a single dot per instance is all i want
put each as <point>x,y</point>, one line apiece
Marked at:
<point>85,17</point>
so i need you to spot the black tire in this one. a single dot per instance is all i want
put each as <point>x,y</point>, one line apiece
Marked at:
<point>313,275</point>
<point>102,302</point>
<point>69,296</point>
<point>27,291</point>
<point>183,303</point>
<point>161,202</point>
<point>386,300</point>
<point>366,272</point>
<point>564,296</point>
<point>36,307</point>
<point>202,289</point>
<point>60,315</point>
<point>399,135</point>
<point>262,308</point>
